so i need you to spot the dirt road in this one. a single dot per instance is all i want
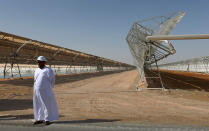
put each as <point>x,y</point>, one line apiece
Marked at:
<point>110,98</point>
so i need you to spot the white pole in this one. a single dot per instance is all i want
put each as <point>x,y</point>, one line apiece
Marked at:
<point>177,37</point>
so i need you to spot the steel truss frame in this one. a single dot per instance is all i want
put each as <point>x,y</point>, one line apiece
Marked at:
<point>146,53</point>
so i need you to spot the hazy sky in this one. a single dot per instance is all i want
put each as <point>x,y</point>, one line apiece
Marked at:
<point>99,27</point>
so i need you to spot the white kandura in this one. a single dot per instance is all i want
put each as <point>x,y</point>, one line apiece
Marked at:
<point>44,102</point>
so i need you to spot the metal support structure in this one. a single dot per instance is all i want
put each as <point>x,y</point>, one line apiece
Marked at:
<point>5,67</point>
<point>11,67</point>
<point>159,73</point>
<point>66,70</point>
<point>19,70</point>
<point>23,52</point>
<point>143,50</point>
<point>206,62</point>
<point>13,59</point>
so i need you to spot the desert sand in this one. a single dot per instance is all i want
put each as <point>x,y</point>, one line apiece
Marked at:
<point>112,97</point>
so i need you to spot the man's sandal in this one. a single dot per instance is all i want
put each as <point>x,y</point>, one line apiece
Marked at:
<point>47,122</point>
<point>37,122</point>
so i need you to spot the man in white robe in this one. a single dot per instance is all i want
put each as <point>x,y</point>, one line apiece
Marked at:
<point>44,102</point>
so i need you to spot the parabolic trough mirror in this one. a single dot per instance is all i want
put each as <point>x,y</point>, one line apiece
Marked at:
<point>18,58</point>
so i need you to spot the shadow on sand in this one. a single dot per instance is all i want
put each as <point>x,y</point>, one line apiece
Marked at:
<point>86,121</point>
<point>30,116</point>
<point>178,81</point>
<point>16,117</point>
<point>15,104</point>
<point>59,78</point>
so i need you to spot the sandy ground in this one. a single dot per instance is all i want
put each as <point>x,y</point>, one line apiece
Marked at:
<point>112,98</point>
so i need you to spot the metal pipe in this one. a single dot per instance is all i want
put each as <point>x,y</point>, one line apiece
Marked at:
<point>27,42</point>
<point>177,37</point>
